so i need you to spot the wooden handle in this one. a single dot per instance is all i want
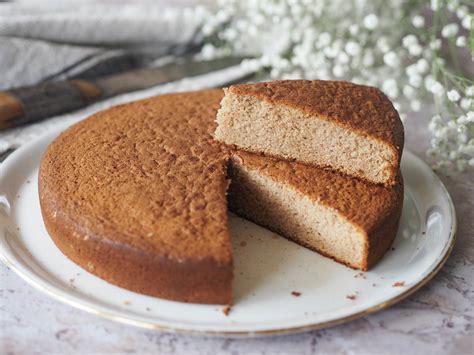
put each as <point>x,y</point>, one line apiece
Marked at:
<point>30,104</point>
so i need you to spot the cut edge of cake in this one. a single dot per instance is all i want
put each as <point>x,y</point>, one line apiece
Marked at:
<point>261,124</point>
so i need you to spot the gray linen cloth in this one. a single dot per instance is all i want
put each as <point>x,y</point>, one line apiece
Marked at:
<point>68,40</point>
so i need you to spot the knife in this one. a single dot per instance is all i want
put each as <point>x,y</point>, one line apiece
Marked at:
<point>29,104</point>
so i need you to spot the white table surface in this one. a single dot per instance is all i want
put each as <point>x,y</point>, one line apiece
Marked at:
<point>438,319</point>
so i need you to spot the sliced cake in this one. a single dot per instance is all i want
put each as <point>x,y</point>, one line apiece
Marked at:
<point>349,220</point>
<point>137,196</point>
<point>351,128</point>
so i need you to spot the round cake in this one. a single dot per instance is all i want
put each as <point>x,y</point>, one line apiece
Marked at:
<point>138,195</point>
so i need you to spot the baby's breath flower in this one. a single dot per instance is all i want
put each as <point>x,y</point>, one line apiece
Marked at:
<point>324,39</point>
<point>382,44</point>
<point>418,21</point>
<point>461,41</point>
<point>408,91</point>
<point>390,87</point>
<point>368,59</point>
<point>391,59</point>
<point>409,40</point>
<point>453,95</point>
<point>470,91</point>
<point>452,5</point>
<point>371,21</point>
<point>450,30</point>
<point>467,22</point>
<point>435,4</point>
<point>415,49</point>
<point>353,29</point>
<point>343,58</point>
<point>465,103</point>
<point>415,80</point>
<point>435,44</point>
<point>338,71</point>
<point>352,48</point>
<point>434,86</point>
<point>415,105</point>
<point>422,65</point>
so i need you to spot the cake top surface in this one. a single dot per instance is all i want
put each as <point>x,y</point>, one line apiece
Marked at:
<point>362,108</point>
<point>148,175</point>
<point>145,175</point>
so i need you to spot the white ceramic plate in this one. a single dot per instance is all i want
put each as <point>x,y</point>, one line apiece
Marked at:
<point>268,268</point>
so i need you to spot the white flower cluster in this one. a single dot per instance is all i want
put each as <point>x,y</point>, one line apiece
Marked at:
<point>383,44</point>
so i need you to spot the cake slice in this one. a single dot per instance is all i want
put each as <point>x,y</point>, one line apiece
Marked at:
<point>346,219</point>
<point>351,128</point>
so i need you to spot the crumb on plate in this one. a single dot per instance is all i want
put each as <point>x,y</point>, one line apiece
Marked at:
<point>399,284</point>
<point>226,310</point>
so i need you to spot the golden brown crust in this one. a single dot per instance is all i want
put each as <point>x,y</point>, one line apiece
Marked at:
<point>363,109</point>
<point>123,188</point>
<point>136,195</point>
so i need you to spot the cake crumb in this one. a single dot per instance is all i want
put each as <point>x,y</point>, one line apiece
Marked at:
<point>399,284</point>
<point>238,159</point>
<point>351,297</point>
<point>90,266</point>
<point>242,244</point>
<point>71,280</point>
<point>296,294</point>
<point>360,275</point>
<point>374,284</point>
<point>226,310</point>
<point>148,309</point>
<point>126,303</point>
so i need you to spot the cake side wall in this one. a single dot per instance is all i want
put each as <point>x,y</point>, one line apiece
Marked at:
<point>194,281</point>
<point>381,238</point>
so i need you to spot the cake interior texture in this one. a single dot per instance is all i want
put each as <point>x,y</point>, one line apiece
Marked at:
<point>285,210</point>
<point>258,125</point>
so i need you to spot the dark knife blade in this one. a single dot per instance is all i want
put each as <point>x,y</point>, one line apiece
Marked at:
<point>33,103</point>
